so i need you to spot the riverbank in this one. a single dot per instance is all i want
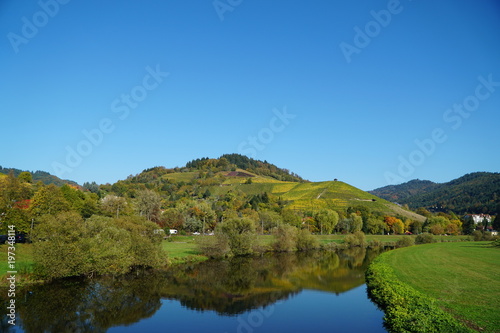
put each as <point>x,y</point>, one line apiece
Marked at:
<point>183,249</point>
<point>438,287</point>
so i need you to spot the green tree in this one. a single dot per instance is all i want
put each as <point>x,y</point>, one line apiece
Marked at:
<point>285,238</point>
<point>74,197</point>
<point>14,204</point>
<point>436,229</point>
<point>91,187</point>
<point>203,212</point>
<point>113,205</point>
<point>25,177</point>
<point>327,220</point>
<point>48,200</point>
<point>357,222</point>
<point>269,220</point>
<point>438,220</point>
<point>146,250</point>
<point>173,218</point>
<point>468,226</point>
<point>485,224</point>
<point>90,204</point>
<point>291,217</point>
<point>496,223</point>
<point>108,247</point>
<point>375,226</point>
<point>240,233</point>
<point>149,204</point>
<point>60,248</point>
<point>193,224</point>
<point>306,241</point>
<point>416,227</point>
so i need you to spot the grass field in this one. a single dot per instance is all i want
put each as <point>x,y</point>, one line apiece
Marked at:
<point>23,263</point>
<point>463,277</point>
<point>182,249</point>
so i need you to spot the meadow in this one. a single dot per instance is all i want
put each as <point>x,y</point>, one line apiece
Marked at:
<point>463,278</point>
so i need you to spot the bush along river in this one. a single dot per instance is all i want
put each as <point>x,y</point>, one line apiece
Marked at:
<point>320,291</point>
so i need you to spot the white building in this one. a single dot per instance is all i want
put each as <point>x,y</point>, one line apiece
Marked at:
<point>478,218</point>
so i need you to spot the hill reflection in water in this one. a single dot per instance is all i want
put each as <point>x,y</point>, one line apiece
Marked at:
<point>228,287</point>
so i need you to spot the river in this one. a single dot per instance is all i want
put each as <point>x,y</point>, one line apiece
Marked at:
<point>299,292</point>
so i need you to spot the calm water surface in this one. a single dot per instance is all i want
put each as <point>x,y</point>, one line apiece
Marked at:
<point>304,292</point>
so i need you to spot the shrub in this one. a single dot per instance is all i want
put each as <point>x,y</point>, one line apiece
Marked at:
<point>425,239</point>
<point>477,235</point>
<point>405,241</point>
<point>240,233</point>
<point>285,238</point>
<point>306,241</point>
<point>487,236</point>
<point>216,246</point>
<point>356,239</point>
<point>65,245</point>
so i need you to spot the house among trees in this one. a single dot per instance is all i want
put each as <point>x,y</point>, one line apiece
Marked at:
<point>479,218</point>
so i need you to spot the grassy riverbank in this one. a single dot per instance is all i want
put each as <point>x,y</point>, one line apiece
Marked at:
<point>180,249</point>
<point>463,279</point>
<point>184,249</point>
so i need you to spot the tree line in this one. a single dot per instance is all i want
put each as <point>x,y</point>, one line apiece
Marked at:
<point>94,217</point>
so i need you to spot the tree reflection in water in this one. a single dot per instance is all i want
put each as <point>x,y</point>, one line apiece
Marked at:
<point>229,287</point>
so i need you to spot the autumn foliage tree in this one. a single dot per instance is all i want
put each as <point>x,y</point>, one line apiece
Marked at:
<point>14,204</point>
<point>395,225</point>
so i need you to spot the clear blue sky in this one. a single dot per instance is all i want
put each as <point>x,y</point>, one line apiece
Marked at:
<point>327,89</point>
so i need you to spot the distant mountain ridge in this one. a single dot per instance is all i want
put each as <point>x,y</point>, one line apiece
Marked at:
<point>477,192</point>
<point>38,175</point>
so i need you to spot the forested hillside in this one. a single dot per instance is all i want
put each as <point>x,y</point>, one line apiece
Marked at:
<point>233,161</point>
<point>398,193</point>
<point>476,193</point>
<point>37,176</point>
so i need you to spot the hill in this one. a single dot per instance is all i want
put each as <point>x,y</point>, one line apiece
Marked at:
<point>477,192</point>
<point>41,176</point>
<point>233,161</point>
<point>398,193</point>
<point>247,179</point>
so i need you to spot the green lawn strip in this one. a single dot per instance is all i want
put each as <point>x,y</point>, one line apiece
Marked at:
<point>325,239</point>
<point>463,278</point>
<point>23,263</point>
<point>183,249</point>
